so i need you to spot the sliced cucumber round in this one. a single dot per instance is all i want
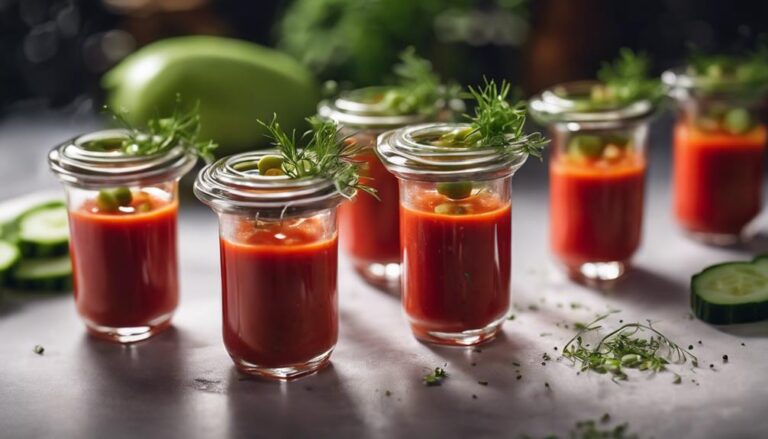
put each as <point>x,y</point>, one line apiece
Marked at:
<point>733,292</point>
<point>44,231</point>
<point>9,257</point>
<point>44,274</point>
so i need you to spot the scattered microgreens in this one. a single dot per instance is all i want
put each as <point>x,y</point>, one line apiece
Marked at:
<point>621,348</point>
<point>592,429</point>
<point>436,377</point>
<point>746,68</point>
<point>418,88</point>
<point>181,128</point>
<point>625,80</point>
<point>497,123</point>
<point>325,154</point>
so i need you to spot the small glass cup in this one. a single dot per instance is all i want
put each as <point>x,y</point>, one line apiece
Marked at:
<point>370,228</point>
<point>597,177</point>
<point>455,238</point>
<point>279,259</point>
<point>122,220</point>
<point>719,154</point>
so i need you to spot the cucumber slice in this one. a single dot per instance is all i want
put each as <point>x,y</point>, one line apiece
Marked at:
<point>733,292</point>
<point>44,231</point>
<point>44,274</point>
<point>9,257</point>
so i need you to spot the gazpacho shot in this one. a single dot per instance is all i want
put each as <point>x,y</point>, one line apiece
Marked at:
<point>455,217</point>
<point>122,199</point>
<point>370,228</point>
<point>719,144</point>
<point>278,242</point>
<point>597,167</point>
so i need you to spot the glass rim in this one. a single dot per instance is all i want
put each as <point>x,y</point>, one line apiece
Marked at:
<point>405,156</point>
<point>231,185</point>
<point>73,163</point>
<point>348,109</point>
<point>682,84</point>
<point>559,104</point>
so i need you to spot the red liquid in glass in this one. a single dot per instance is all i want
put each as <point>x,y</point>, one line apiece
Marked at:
<point>124,263</point>
<point>456,268</point>
<point>718,179</point>
<point>596,209</point>
<point>279,294</point>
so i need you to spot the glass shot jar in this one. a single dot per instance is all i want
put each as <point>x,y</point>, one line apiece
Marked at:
<point>597,173</point>
<point>456,233</point>
<point>370,228</point>
<point>279,257</point>
<point>719,154</point>
<point>122,221</point>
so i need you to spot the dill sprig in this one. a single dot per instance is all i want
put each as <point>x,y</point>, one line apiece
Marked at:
<point>497,123</point>
<point>325,154</point>
<point>623,348</point>
<point>418,88</point>
<point>181,128</point>
<point>625,80</point>
<point>436,377</point>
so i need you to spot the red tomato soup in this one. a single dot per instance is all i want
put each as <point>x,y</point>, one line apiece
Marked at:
<point>279,293</point>
<point>456,267</point>
<point>124,262</point>
<point>370,228</point>
<point>718,178</point>
<point>596,208</point>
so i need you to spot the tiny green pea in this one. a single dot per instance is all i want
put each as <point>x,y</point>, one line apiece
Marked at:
<point>455,190</point>
<point>106,201</point>
<point>122,196</point>
<point>737,121</point>
<point>450,209</point>
<point>585,145</point>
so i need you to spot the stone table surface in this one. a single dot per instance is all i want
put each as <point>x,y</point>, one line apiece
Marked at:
<point>183,384</point>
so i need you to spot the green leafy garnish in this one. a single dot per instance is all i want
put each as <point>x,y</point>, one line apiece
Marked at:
<point>182,128</point>
<point>592,429</point>
<point>436,377</point>
<point>750,68</point>
<point>325,154</point>
<point>625,80</point>
<point>623,349</point>
<point>497,123</point>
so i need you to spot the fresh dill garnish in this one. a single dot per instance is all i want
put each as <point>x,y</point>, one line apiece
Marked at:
<point>496,123</point>
<point>436,377</point>
<point>625,80</point>
<point>181,128</point>
<point>623,349</point>
<point>325,154</point>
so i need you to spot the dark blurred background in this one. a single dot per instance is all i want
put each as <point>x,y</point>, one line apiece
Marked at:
<point>53,52</point>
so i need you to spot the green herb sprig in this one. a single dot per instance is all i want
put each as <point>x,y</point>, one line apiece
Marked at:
<point>418,88</point>
<point>436,377</point>
<point>325,154</point>
<point>625,80</point>
<point>181,128</point>
<point>622,349</point>
<point>496,123</point>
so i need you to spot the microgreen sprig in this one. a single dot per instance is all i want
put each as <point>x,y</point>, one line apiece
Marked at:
<point>625,80</point>
<point>326,154</point>
<point>436,377</point>
<point>418,88</point>
<point>622,348</point>
<point>181,128</point>
<point>497,123</point>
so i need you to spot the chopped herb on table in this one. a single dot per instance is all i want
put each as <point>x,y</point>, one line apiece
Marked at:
<point>595,430</point>
<point>625,348</point>
<point>39,349</point>
<point>436,377</point>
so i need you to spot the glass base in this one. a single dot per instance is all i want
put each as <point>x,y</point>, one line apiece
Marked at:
<point>599,274</point>
<point>464,338</point>
<point>129,334</point>
<point>285,373</point>
<point>717,239</point>
<point>385,275</point>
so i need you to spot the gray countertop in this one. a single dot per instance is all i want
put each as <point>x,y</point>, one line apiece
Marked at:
<point>182,383</point>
